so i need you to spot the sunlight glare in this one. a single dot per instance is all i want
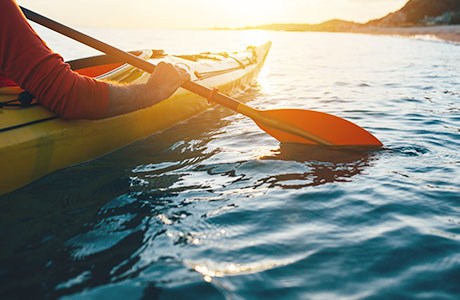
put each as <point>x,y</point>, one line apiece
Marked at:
<point>253,12</point>
<point>255,37</point>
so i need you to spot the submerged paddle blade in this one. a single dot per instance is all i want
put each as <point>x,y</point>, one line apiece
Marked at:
<point>335,130</point>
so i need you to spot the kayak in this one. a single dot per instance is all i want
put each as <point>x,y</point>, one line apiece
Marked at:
<point>35,142</point>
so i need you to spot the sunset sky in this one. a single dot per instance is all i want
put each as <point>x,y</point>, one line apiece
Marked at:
<point>207,13</point>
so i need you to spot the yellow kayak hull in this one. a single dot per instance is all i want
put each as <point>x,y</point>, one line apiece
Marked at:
<point>30,151</point>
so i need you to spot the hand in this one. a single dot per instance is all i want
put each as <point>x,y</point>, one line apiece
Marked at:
<point>165,80</point>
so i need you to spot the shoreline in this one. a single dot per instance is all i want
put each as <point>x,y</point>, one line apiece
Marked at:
<point>448,33</point>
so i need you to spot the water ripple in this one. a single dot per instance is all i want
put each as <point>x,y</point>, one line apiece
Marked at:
<point>214,208</point>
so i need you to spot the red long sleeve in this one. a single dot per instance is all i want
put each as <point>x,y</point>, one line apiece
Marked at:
<point>25,59</point>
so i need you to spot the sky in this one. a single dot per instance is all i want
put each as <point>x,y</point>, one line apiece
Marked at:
<point>192,14</point>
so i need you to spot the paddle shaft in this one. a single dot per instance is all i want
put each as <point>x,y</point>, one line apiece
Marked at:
<point>123,56</point>
<point>193,87</point>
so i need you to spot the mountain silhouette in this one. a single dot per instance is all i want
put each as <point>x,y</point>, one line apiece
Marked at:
<point>414,13</point>
<point>423,12</point>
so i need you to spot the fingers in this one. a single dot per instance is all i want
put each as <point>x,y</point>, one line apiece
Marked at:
<point>166,79</point>
<point>172,72</point>
<point>185,75</point>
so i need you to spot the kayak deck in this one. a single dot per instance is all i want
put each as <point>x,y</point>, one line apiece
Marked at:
<point>35,142</point>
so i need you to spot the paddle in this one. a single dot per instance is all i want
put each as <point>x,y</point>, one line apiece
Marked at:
<point>286,125</point>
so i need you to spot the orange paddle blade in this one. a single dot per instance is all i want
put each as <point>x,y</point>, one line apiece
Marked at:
<point>335,130</point>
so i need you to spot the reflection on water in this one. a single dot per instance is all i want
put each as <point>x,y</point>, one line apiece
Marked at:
<point>325,164</point>
<point>212,270</point>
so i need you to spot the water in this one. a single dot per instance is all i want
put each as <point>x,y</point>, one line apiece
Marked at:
<point>214,208</point>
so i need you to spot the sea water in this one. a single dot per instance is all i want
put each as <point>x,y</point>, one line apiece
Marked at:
<point>214,208</point>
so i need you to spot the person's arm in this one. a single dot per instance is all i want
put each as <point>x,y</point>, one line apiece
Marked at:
<point>25,59</point>
<point>164,81</point>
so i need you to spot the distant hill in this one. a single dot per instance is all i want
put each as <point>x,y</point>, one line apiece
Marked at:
<point>423,12</point>
<point>414,13</point>
<point>331,25</point>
